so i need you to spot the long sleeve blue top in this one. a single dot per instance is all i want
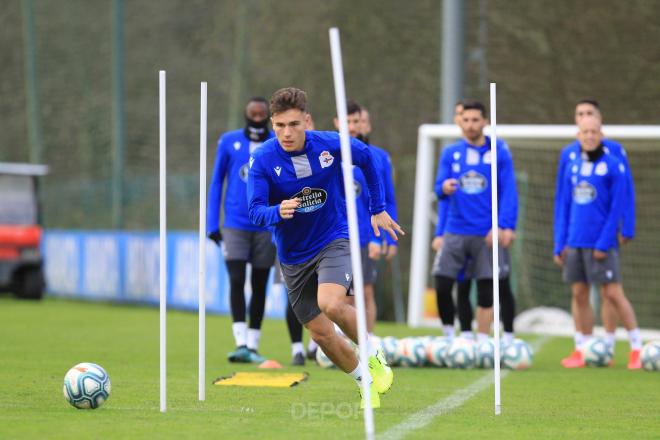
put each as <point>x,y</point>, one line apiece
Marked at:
<point>591,204</point>
<point>313,175</point>
<point>469,208</point>
<point>231,162</point>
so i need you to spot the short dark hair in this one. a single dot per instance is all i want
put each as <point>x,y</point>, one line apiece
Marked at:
<point>475,105</point>
<point>353,107</point>
<point>590,101</point>
<point>288,98</point>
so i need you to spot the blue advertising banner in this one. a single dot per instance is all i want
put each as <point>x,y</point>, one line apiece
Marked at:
<point>123,267</point>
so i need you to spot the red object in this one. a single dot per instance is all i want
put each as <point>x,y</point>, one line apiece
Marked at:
<point>634,360</point>
<point>575,360</point>
<point>21,236</point>
<point>13,238</point>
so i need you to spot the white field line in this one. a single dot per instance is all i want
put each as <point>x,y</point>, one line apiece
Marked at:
<point>422,418</point>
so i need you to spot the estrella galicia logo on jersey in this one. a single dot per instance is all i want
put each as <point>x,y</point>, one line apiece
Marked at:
<point>311,199</point>
<point>472,182</point>
<point>326,159</point>
<point>584,193</point>
<point>243,172</point>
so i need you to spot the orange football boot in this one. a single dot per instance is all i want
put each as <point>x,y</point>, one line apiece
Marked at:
<point>575,360</point>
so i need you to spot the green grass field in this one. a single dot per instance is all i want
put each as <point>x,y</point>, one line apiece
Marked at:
<point>42,340</point>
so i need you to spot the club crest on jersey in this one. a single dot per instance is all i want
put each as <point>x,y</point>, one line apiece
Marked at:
<point>472,182</point>
<point>237,145</point>
<point>601,169</point>
<point>584,193</point>
<point>311,199</point>
<point>326,159</point>
<point>243,172</point>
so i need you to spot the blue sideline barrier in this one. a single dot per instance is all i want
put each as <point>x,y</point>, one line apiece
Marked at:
<point>124,267</point>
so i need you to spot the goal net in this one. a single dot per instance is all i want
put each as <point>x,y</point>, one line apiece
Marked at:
<point>535,279</point>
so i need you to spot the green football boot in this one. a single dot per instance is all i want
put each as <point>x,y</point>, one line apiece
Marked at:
<point>374,396</point>
<point>380,372</point>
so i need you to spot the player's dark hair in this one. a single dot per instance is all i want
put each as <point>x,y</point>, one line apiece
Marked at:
<point>288,98</point>
<point>475,105</point>
<point>352,107</point>
<point>589,101</point>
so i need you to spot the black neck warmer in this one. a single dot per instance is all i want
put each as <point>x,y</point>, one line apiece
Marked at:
<point>593,156</point>
<point>256,131</point>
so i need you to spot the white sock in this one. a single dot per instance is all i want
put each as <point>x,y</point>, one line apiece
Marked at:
<point>609,339</point>
<point>240,333</point>
<point>253,336</point>
<point>355,374</point>
<point>372,350</point>
<point>312,345</point>
<point>635,339</point>
<point>467,335</point>
<point>579,340</point>
<point>449,330</point>
<point>482,337</point>
<point>297,347</point>
<point>508,337</point>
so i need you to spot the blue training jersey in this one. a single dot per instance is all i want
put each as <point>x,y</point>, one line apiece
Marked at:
<point>231,161</point>
<point>571,153</point>
<point>313,175</point>
<point>591,203</point>
<point>383,165</point>
<point>469,208</point>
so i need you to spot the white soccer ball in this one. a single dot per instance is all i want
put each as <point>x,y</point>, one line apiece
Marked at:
<point>485,354</point>
<point>651,356</point>
<point>597,353</point>
<point>389,344</point>
<point>517,355</point>
<point>436,352</point>
<point>322,359</point>
<point>411,352</point>
<point>86,386</point>
<point>461,354</point>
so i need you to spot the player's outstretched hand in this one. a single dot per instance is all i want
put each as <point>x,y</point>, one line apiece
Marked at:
<point>288,207</point>
<point>383,220</point>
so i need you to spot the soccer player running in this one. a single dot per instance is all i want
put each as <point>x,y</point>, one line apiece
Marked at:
<point>243,241</point>
<point>371,246</point>
<point>591,205</point>
<point>295,185</point>
<point>464,178</point>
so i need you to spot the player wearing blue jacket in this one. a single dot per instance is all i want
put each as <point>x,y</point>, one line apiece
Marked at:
<point>370,245</point>
<point>586,245</point>
<point>243,241</point>
<point>464,178</point>
<point>590,108</point>
<point>294,185</point>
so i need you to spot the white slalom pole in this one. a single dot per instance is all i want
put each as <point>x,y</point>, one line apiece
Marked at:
<point>202,243</point>
<point>495,225</point>
<point>358,283</point>
<point>163,245</point>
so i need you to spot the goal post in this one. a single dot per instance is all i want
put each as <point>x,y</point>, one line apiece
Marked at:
<point>428,137</point>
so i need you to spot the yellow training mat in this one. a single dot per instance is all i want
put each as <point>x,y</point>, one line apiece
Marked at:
<point>262,379</point>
